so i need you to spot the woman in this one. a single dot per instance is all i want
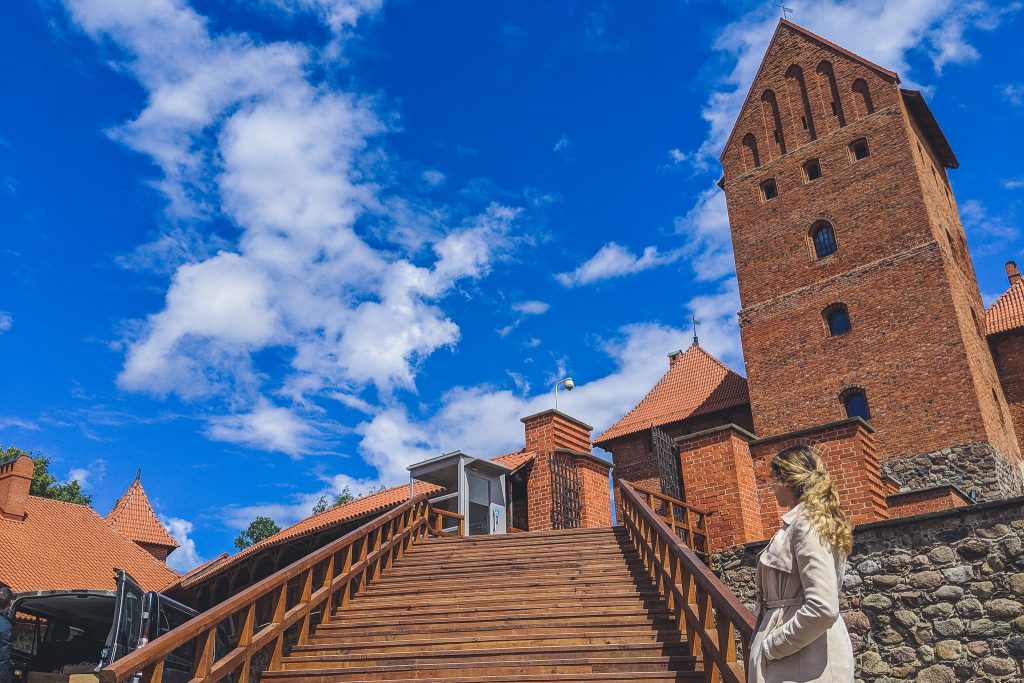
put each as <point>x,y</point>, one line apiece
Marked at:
<point>800,637</point>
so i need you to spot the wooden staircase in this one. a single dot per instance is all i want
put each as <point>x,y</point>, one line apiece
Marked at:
<point>572,605</point>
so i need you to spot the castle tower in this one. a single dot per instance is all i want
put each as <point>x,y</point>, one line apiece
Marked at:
<point>857,290</point>
<point>134,518</point>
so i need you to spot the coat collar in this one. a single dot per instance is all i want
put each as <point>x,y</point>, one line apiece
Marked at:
<point>791,516</point>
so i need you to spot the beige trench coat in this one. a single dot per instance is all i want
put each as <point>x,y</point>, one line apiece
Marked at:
<point>800,637</point>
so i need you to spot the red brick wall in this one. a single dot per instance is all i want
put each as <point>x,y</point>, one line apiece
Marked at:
<point>719,477</point>
<point>160,552</point>
<point>909,294</point>
<point>1008,352</point>
<point>847,449</point>
<point>926,500</point>
<point>595,495</point>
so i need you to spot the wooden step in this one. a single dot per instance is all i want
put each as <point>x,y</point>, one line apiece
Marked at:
<point>654,676</point>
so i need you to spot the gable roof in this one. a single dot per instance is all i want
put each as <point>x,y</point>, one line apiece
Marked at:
<point>65,546</point>
<point>133,517</point>
<point>922,113</point>
<point>785,23</point>
<point>360,507</point>
<point>1007,313</point>
<point>696,383</point>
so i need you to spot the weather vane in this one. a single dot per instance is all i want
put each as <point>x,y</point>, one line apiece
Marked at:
<point>695,322</point>
<point>786,11</point>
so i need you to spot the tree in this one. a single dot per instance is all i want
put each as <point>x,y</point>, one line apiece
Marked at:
<point>259,529</point>
<point>44,484</point>
<point>344,497</point>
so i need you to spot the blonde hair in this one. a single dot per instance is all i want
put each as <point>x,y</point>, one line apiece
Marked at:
<point>801,469</point>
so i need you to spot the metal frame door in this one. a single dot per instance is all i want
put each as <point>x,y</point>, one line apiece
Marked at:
<point>666,454</point>
<point>566,508</point>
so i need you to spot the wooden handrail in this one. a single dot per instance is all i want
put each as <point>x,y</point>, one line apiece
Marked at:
<point>329,575</point>
<point>704,607</point>
<point>687,521</point>
<point>438,526</point>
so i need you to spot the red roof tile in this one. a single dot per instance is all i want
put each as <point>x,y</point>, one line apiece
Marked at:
<point>64,546</point>
<point>1007,313</point>
<point>375,502</point>
<point>133,517</point>
<point>696,383</point>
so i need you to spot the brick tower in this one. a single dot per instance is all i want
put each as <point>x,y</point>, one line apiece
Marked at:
<point>858,294</point>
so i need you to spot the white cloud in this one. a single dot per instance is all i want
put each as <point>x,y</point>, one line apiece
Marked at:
<point>6,321</point>
<point>562,143</point>
<point>299,506</point>
<point>7,421</point>
<point>242,131</point>
<point>980,224</point>
<point>433,177</point>
<point>185,557</point>
<point>708,240</point>
<point>1013,183</point>
<point>613,260</point>
<point>1014,94</point>
<point>531,307</point>
<point>88,476</point>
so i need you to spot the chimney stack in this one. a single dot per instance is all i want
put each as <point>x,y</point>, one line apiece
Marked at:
<point>674,358</point>
<point>15,481</point>
<point>553,429</point>
<point>1012,272</point>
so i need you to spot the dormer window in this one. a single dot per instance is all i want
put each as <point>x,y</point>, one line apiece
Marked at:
<point>859,149</point>
<point>769,190</point>
<point>812,170</point>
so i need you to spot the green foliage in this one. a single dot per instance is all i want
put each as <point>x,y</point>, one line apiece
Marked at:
<point>44,484</point>
<point>322,505</point>
<point>259,529</point>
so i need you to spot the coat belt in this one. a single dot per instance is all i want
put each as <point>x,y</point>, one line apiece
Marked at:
<point>785,602</point>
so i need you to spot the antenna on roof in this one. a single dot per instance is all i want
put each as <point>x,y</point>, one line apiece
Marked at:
<point>695,322</point>
<point>786,11</point>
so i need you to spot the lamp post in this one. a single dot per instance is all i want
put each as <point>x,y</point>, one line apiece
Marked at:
<point>567,383</point>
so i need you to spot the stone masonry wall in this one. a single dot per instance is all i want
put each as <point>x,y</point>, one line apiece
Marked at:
<point>975,466</point>
<point>937,598</point>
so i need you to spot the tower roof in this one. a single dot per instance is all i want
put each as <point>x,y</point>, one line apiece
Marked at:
<point>1007,313</point>
<point>133,517</point>
<point>696,383</point>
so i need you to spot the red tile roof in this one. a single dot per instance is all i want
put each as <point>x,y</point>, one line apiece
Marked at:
<point>696,383</point>
<point>64,546</point>
<point>1007,313</point>
<point>375,502</point>
<point>133,517</point>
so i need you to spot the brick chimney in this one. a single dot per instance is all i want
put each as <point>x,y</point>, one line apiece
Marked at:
<point>553,429</point>
<point>1012,272</point>
<point>15,481</point>
<point>674,358</point>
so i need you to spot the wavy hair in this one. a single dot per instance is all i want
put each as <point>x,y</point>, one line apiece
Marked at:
<point>801,469</point>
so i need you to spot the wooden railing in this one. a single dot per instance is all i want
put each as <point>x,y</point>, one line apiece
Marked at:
<point>688,522</point>
<point>707,611</point>
<point>438,524</point>
<point>268,613</point>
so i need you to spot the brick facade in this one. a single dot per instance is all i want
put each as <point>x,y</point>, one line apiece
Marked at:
<point>901,266</point>
<point>15,483</point>
<point>1008,353</point>
<point>921,501</point>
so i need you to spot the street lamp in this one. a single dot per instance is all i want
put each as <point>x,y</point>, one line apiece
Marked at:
<point>567,383</point>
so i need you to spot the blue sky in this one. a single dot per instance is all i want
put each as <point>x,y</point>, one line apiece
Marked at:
<point>265,250</point>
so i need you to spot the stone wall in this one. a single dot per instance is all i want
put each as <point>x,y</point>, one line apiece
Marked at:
<point>976,466</point>
<point>936,598</point>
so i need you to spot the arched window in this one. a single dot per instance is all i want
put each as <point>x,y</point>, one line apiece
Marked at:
<point>856,403</point>
<point>796,90</point>
<point>859,149</point>
<point>862,98</point>
<point>824,238</point>
<point>829,92</point>
<point>751,159</point>
<point>769,190</point>
<point>837,318</point>
<point>773,121</point>
<point>812,170</point>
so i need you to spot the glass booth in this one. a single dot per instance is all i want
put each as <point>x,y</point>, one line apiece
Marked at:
<point>473,488</point>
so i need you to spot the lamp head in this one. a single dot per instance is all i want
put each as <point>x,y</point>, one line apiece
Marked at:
<point>569,384</point>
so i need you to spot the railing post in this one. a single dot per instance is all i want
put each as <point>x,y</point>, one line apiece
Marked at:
<point>325,613</point>
<point>307,592</point>
<point>153,673</point>
<point>206,647</point>
<point>245,640</point>
<point>280,607</point>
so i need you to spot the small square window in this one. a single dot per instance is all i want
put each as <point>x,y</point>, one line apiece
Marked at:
<point>859,149</point>
<point>769,190</point>
<point>812,170</point>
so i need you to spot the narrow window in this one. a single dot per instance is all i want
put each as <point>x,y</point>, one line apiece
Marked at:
<point>769,190</point>
<point>773,121</point>
<point>829,92</point>
<point>862,98</point>
<point>837,317</point>
<point>812,170</point>
<point>824,238</point>
<point>796,93</point>
<point>856,404</point>
<point>751,159</point>
<point>859,149</point>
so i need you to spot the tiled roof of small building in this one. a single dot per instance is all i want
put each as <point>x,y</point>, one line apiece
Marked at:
<point>696,383</point>
<point>1007,313</point>
<point>65,546</point>
<point>133,517</point>
<point>372,503</point>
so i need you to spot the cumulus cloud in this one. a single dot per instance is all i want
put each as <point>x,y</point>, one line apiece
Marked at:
<point>88,476</point>
<point>993,232</point>
<point>613,260</point>
<point>300,505</point>
<point>6,321</point>
<point>708,240</point>
<point>531,307</point>
<point>433,177</point>
<point>242,130</point>
<point>185,557</point>
<point>1014,94</point>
